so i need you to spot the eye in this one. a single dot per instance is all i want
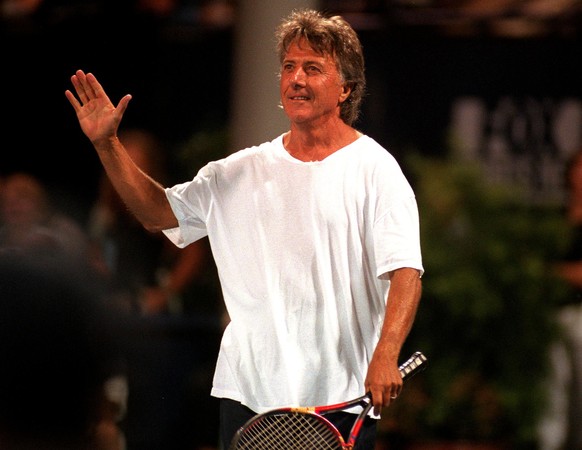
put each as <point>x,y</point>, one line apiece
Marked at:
<point>312,69</point>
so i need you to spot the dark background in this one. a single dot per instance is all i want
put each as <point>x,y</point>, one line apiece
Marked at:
<point>179,72</point>
<point>178,69</point>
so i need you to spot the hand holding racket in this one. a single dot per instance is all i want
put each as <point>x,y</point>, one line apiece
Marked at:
<point>305,428</point>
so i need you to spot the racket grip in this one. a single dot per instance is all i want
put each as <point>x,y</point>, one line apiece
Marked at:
<point>413,365</point>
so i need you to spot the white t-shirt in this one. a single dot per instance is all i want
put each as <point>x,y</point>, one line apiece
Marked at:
<point>302,250</point>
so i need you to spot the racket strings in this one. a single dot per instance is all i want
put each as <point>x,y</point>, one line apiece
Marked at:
<point>290,431</point>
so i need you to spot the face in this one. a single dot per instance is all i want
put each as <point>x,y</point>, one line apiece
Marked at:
<point>21,202</point>
<point>311,86</point>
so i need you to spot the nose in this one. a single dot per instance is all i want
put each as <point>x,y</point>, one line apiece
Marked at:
<point>298,77</point>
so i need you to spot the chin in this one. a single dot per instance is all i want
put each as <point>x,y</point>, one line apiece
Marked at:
<point>299,118</point>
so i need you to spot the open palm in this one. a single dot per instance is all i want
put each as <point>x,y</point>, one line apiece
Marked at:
<point>98,117</point>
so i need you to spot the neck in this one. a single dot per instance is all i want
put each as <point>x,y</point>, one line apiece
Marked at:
<point>317,143</point>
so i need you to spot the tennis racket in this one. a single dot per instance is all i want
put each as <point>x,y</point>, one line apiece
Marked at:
<point>305,428</point>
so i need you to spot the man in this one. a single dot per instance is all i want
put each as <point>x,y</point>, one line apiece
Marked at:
<point>315,235</point>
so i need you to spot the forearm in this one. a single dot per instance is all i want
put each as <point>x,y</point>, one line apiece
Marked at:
<point>401,306</point>
<point>143,195</point>
<point>383,378</point>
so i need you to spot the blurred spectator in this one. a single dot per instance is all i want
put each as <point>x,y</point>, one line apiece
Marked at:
<point>31,228</point>
<point>18,8</point>
<point>29,224</point>
<point>146,273</point>
<point>56,341</point>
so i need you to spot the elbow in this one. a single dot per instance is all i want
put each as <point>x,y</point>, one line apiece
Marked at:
<point>157,226</point>
<point>152,227</point>
<point>156,220</point>
<point>160,223</point>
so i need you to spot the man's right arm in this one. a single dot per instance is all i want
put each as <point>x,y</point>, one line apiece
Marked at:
<point>144,196</point>
<point>99,119</point>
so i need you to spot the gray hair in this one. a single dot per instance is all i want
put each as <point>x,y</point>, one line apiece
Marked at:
<point>329,36</point>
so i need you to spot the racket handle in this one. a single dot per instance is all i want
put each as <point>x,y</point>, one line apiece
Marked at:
<point>413,365</point>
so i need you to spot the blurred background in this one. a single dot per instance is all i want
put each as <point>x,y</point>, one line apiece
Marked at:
<point>479,100</point>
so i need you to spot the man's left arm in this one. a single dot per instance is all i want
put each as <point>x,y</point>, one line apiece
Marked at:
<point>383,379</point>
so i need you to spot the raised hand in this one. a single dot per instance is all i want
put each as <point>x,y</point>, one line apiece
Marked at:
<point>98,117</point>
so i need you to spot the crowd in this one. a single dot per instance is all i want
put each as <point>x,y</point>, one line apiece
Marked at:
<point>136,275</point>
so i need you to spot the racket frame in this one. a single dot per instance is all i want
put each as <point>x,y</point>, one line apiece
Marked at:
<point>412,366</point>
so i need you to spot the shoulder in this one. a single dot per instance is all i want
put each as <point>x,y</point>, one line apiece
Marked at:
<point>374,155</point>
<point>245,157</point>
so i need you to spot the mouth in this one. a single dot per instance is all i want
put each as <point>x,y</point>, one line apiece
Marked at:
<point>299,97</point>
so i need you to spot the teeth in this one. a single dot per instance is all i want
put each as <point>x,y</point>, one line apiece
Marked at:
<point>300,98</point>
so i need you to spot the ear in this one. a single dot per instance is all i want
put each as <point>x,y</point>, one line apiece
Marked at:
<point>345,93</point>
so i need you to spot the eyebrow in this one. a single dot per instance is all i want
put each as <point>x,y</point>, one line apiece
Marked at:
<point>320,62</point>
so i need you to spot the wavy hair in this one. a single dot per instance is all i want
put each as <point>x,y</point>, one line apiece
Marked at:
<point>332,36</point>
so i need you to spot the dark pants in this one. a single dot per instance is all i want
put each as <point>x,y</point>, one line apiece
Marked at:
<point>233,415</point>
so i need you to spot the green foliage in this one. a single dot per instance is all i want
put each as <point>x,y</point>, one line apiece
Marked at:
<point>486,317</point>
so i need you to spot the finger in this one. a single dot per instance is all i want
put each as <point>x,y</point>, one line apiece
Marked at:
<point>95,86</point>
<point>122,105</point>
<point>379,401</point>
<point>395,392</point>
<point>85,85</point>
<point>378,407</point>
<point>73,100</point>
<point>78,85</point>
